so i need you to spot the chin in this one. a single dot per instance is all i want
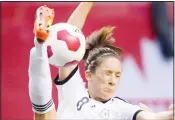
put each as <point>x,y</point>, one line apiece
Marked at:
<point>107,96</point>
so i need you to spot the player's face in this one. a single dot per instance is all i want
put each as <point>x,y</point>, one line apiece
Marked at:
<point>105,80</point>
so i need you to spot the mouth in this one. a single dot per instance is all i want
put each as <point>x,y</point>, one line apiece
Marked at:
<point>108,90</point>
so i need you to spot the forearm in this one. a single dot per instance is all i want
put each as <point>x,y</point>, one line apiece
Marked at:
<point>40,84</point>
<point>80,14</point>
<point>166,115</point>
<point>39,63</point>
<point>78,19</point>
<point>145,115</point>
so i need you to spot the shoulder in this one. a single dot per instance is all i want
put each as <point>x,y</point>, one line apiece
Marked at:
<point>123,103</point>
<point>130,110</point>
<point>121,100</point>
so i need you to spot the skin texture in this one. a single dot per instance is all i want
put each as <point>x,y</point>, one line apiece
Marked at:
<point>103,83</point>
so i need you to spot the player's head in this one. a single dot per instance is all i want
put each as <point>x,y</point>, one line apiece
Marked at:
<point>102,64</point>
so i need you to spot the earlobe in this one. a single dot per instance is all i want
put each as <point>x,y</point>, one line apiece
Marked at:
<point>88,75</point>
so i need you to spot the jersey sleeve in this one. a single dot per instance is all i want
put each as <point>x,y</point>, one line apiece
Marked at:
<point>40,83</point>
<point>130,111</point>
<point>70,87</point>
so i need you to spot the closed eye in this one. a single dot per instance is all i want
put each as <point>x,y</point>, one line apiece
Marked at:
<point>117,74</point>
<point>108,72</point>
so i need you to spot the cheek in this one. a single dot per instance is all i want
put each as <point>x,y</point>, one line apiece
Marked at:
<point>117,83</point>
<point>98,83</point>
<point>102,79</point>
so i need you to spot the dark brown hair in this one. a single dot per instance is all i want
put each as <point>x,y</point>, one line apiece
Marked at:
<point>100,44</point>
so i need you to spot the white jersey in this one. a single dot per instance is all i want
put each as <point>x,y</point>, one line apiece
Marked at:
<point>75,103</point>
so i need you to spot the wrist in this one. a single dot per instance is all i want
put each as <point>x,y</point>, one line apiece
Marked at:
<point>163,115</point>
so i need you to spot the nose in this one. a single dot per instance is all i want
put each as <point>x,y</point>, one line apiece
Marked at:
<point>112,82</point>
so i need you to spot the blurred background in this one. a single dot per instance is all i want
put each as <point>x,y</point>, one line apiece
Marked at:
<point>144,30</point>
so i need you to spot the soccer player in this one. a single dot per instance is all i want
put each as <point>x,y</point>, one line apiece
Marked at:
<point>103,69</point>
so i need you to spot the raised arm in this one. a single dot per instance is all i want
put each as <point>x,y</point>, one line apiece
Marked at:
<point>145,115</point>
<point>40,82</point>
<point>165,115</point>
<point>77,18</point>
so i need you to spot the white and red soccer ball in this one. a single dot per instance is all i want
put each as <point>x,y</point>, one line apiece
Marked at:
<point>66,45</point>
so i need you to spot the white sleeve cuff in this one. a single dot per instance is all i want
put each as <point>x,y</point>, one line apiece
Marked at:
<point>42,109</point>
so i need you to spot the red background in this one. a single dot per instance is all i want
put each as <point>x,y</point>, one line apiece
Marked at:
<point>132,21</point>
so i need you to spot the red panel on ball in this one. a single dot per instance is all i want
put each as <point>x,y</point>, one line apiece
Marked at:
<point>49,51</point>
<point>73,42</point>
<point>71,63</point>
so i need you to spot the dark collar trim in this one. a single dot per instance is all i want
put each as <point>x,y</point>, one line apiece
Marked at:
<point>62,82</point>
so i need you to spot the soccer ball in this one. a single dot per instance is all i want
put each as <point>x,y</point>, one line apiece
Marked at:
<point>66,45</point>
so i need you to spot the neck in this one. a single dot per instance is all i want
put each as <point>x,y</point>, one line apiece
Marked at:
<point>97,98</point>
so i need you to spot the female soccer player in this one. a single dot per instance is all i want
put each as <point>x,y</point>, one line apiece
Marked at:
<point>103,69</point>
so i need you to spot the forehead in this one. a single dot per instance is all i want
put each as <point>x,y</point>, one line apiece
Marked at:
<point>110,63</point>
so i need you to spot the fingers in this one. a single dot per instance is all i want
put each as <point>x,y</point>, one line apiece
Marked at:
<point>171,107</point>
<point>144,107</point>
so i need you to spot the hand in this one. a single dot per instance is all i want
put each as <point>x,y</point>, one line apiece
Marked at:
<point>144,107</point>
<point>171,108</point>
<point>164,115</point>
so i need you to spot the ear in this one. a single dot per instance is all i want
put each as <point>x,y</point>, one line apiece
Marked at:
<point>88,75</point>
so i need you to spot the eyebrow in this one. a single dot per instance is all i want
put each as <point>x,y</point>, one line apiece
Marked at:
<point>112,71</point>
